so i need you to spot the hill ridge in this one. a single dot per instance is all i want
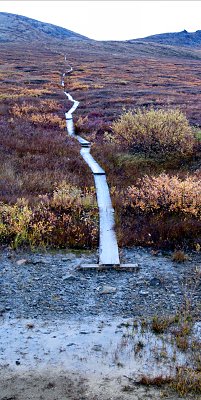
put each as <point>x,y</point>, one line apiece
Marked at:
<point>14,27</point>
<point>180,39</point>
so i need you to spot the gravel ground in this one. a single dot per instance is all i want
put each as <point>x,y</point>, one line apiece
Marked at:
<point>60,326</point>
<point>51,284</point>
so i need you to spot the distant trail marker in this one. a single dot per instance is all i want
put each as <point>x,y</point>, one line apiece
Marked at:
<point>108,247</point>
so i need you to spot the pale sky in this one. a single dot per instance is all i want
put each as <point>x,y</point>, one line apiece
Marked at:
<point>112,20</point>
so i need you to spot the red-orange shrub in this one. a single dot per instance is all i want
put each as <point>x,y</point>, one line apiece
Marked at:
<point>168,193</point>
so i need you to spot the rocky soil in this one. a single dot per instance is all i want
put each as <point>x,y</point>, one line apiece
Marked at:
<point>51,285</point>
<point>63,328</point>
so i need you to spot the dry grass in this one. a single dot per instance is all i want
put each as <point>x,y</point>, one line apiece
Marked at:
<point>156,381</point>
<point>177,329</point>
<point>179,256</point>
<point>186,381</point>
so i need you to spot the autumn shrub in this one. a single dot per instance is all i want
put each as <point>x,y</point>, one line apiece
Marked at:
<point>154,132</point>
<point>28,107</point>
<point>168,193</point>
<point>68,218</point>
<point>162,211</point>
<point>93,125</point>
<point>14,222</point>
<point>43,112</point>
<point>78,85</point>
<point>48,120</point>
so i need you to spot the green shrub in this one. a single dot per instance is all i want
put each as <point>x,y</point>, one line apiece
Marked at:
<point>155,132</point>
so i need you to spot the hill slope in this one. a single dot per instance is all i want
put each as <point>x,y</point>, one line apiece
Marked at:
<point>24,31</point>
<point>19,28</point>
<point>181,39</point>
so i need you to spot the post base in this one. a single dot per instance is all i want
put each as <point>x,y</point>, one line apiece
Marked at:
<point>101,267</point>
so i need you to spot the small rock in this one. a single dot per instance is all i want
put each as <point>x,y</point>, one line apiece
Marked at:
<point>45,332</point>
<point>97,347</point>
<point>69,277</point>
<point>108,289</point>
<point>21,262</point>
<point>17,362</point>
<point>35,262</point>
<point>143,293</point>
<point>69,257</point>
<point>41,261</point>
<point>30,325</point>
<point>155,282</point>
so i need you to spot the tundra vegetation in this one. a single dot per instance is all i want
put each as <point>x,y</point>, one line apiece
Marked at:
<point>143,120</point>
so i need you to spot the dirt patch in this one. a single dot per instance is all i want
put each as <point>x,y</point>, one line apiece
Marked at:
<point>63,385</point>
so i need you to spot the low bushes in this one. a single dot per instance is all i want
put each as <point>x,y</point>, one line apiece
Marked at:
<point>167,193</point>
<point>162,211</point>
<point>42,112</point>
<point>154,132</point>
<point>68,218</point>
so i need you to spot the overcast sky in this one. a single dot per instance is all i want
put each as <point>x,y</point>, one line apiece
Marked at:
<point>112,20</point>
